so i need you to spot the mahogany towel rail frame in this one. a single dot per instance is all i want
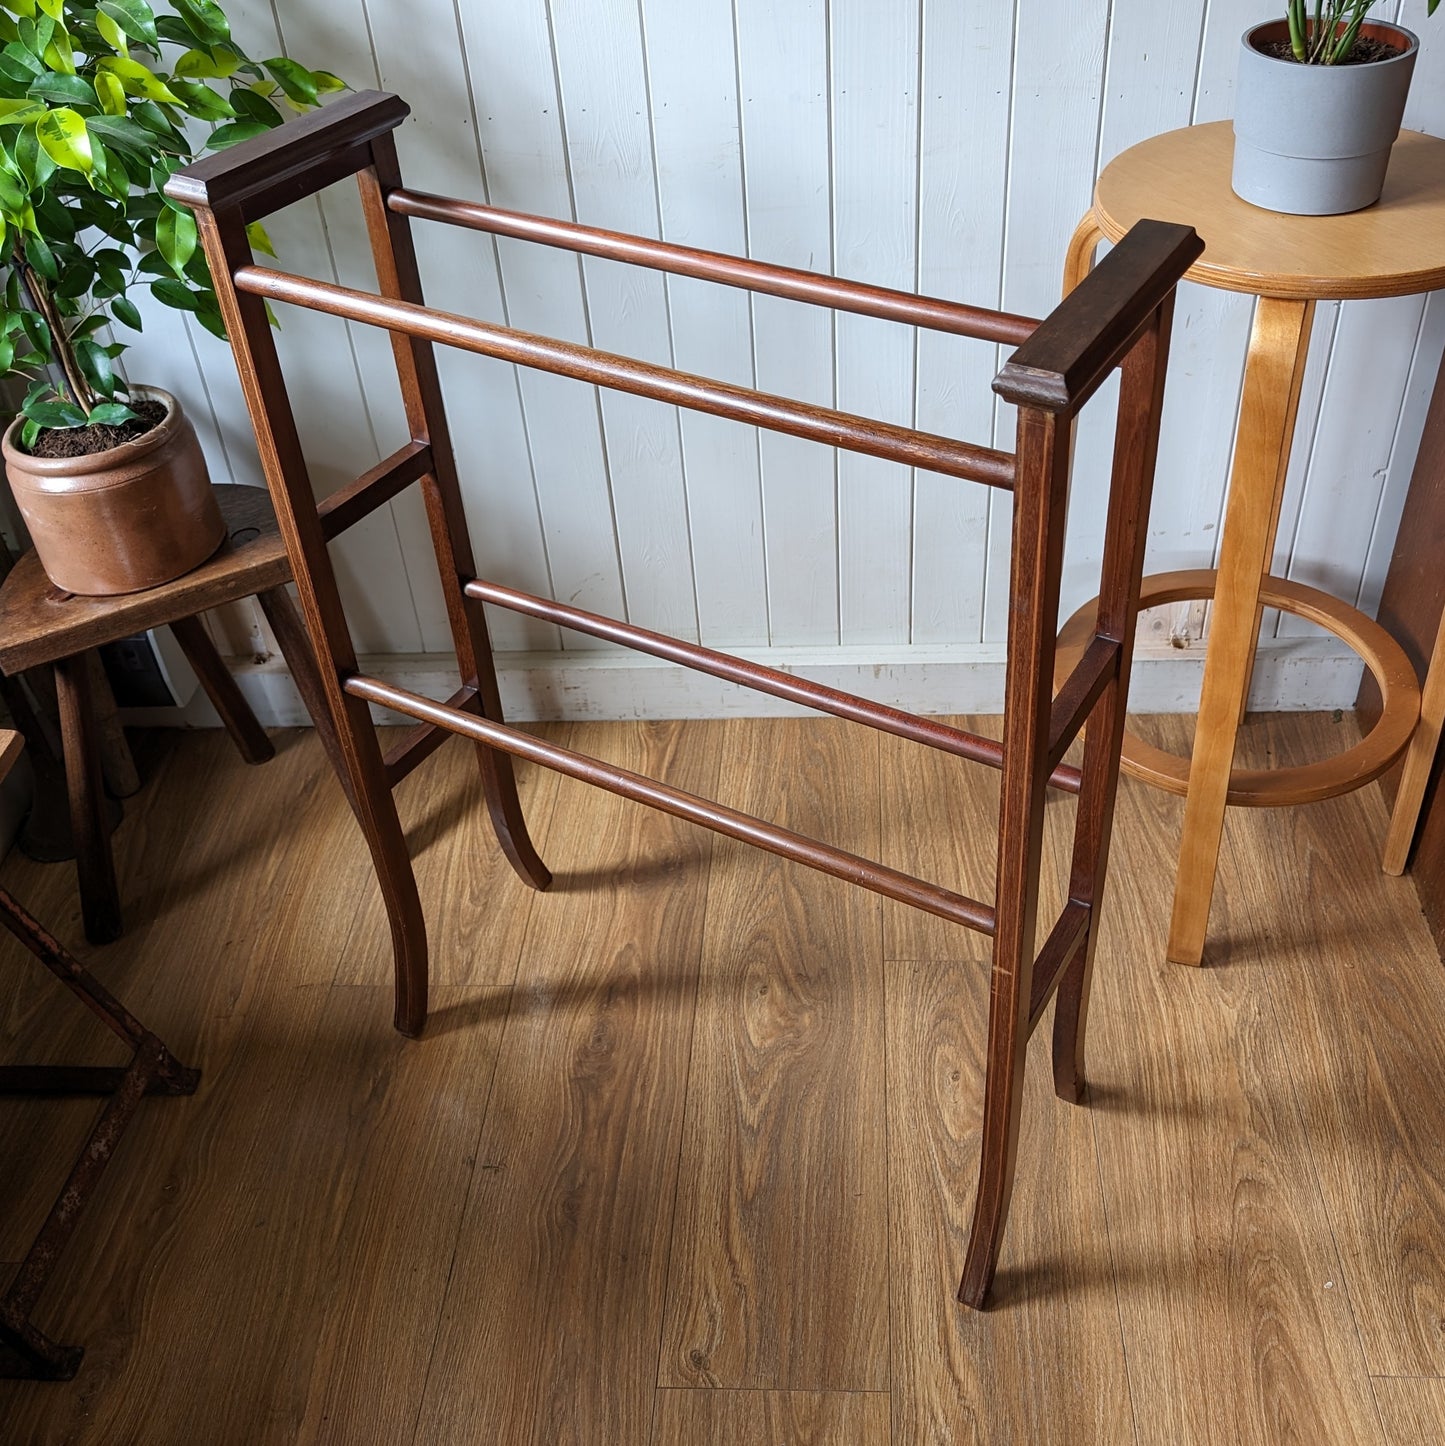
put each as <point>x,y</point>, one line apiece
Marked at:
<point>1118,317</point>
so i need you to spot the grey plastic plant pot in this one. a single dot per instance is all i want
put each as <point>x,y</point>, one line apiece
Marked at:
<point>1314,140</point>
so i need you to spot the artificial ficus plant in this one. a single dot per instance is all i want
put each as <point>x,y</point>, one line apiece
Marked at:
<point>94,104</point>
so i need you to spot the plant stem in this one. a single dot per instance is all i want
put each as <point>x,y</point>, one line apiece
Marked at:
<point>39,298</point>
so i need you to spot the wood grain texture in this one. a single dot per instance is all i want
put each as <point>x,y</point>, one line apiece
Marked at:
<point>1357,1062</point>
<point>968,1376</point>
<point>785,1122</point>
<point>1221,1242</point>
<point>1393,248</point>
<point>1412,1409</point>
<point>564,1252</point>
<point>1250,1201</point>
<point>770,1418</point>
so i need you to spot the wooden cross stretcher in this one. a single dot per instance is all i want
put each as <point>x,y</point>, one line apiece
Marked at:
<point>1119,317</point>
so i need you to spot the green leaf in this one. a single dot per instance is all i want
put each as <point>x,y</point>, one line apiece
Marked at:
<point>176,238</point>
<point>19,64</point>
<point>55,9</point>
<point>23,8</point>
<point>56,415</point>
<point>111,93</point>
<point>63,137</point>
<point>170,292</point>
<point>234,133</point>
<point>35,165</point>
<point>201,101</point>
<point>125,311</point>
<point>12,194</point>
<point>214,63</point>
<point>63,90</point>
<point>58,55</point>
<point>111,266</point>
<point>95,364</point>
<point>260,241</point>
<point>298,82</point>
<point>213,322</point>
<point>255,107</point>
<point>75,278</point>
<point>135,17</point>
<point>28,433</point>
<point>36,330</point>
<point>137,78</point>
<point>17,112</point>
<point>111,414</point>
<point>124,134</point>
<point>328,84</point>
<point>110,32</point>
<point>7,353</point>
<point>41,258</point>
<point>206,20</point>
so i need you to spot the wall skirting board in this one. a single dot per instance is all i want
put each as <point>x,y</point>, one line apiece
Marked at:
<point>1291,673</point>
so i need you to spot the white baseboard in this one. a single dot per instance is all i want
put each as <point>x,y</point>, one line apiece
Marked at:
<point>1291,674</point>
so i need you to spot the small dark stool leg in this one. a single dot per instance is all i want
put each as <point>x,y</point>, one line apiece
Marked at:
<point>99,896</point>
<point>247,734</point>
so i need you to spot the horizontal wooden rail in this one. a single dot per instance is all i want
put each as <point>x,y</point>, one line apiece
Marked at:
<point>1058,951</point>
<point>1075,700</point>
<point>866,873</point>
<point>931,312</point>
<point>374,488</point>
<point>760,678</point>
<point>586,364</point>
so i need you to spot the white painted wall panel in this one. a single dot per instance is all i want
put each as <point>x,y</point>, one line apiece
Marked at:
<point>948,145</point>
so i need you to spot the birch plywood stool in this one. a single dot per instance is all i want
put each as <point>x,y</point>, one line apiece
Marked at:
<point>41,625</point>
<point>1120,317</point>
<point>1393,248</point>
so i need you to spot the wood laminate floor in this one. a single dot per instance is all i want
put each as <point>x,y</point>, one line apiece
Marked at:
<point>687,1154</point>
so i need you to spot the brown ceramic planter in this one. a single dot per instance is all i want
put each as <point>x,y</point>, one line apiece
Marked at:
<point>119,521</point>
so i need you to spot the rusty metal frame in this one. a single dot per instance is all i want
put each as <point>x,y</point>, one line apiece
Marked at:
<point>1118,318</point>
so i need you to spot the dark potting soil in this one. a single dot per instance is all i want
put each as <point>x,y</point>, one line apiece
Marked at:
<point>1365,51</point>
<point>82,441</point>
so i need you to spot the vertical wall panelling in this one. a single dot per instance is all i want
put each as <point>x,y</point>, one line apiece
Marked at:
<point>609,145</point>
<point>947,145</point>
<point>1059,48</point>
<point>783,70</point>
<point>509,57</point>
<point>697,142</point>
<point>875,184</point>
<point>967,65</point>
<point>1149,84</point>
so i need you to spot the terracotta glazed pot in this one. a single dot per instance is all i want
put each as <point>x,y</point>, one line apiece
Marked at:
<point>1314,140</point>
<point>122,520</point>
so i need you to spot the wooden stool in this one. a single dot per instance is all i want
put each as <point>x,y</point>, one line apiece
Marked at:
<point>40,624</point>
<point>1394,248</point>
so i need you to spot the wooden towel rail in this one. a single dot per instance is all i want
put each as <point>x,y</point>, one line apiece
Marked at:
<point>1118,318</point>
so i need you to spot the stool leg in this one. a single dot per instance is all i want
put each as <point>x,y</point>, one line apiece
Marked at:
<point>1272,376</point>
<point>241,723</point>
<point>296,649</point>
<point>94,867</point>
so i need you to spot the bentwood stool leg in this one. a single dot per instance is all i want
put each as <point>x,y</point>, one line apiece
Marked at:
<point>99,896</point>
<point>241,723</point>
<point>1419,761</point>
<point>1273,372</point>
